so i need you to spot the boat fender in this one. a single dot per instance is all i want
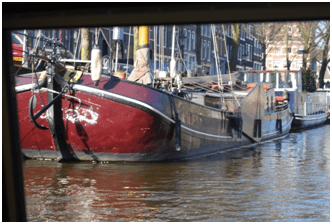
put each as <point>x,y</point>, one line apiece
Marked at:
<point>32,105</point>
<point>96,65</point>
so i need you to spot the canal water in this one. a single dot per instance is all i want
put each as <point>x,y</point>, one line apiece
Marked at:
<point>284,180</point>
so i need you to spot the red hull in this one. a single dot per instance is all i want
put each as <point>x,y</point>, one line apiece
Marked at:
<point>112,127</point>
<point>30,136</point>
<point>98,126</point>
<point>122,121</point>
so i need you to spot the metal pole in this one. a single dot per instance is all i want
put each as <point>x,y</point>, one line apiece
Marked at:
<point>173,62</point>
<point>116,35</point>
<point>25,50</point>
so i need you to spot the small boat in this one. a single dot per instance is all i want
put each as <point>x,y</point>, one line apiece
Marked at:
<point>309,108</point>
<point>67,114</point>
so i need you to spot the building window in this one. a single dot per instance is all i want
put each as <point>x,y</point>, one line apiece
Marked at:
<point>229,51</point>
<point>250,54</point>
<point>190,63</point>
<point>189,40</point>
<point>202,30</point>
<point>247,51</point>
<point>241,33</point>
<point>205,49</point>
<point>193,39</point>
<point>209,50</point>
<point>157,38</point>
<point>185,61</point>
<point>255,47</point>
<point>290,37</point>
<point>220,45</point>
<point>278,50</point>
<point>165,36</point>
<point>300,51</point>
<point>176,39</point>
<point>242,52</point>
<point>185,35</point>
<point>202,49</point>
<point>289,50</point>
<point>251,32</point>
<point>290,29</point>
<point>229,30</point>
<point>277,64</point>
<point>298,64</point>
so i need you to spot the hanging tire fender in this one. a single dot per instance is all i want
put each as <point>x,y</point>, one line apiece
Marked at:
<point>32,105</point>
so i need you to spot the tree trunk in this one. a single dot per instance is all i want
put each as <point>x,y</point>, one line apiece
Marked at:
<point>304,60</point>
<point>235,45</point>
<point>325,61</point>
<point>322,72</point>
<point>264,57</point>
<point>85,46</point>
<point>287,55</point>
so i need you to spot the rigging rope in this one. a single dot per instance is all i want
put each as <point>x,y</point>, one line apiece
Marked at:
<point>229,71</point>
<point>223,30</point>
<point>216,57</point>
<point>38,40</point>
<point>102,32</point>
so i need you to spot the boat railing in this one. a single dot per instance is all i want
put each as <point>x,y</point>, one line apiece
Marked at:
<point>282,107</point>
<point>281,79</point>
<point>312,108</point>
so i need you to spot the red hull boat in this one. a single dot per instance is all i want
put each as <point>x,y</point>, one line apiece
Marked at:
<point>122,120</point>
<point>70,115</point>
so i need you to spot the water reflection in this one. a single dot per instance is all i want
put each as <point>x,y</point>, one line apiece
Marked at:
<point>281,180</point>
